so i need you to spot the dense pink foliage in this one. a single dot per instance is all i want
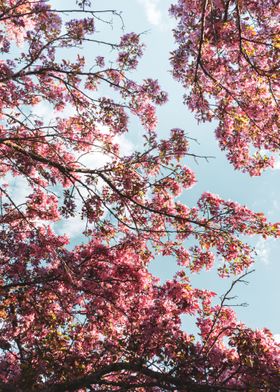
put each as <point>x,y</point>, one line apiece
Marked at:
<point>93,317</point>
<point>228,60</point>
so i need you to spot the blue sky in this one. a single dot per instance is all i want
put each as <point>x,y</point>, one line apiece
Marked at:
<point>151,18</point>
<point>217,176</point>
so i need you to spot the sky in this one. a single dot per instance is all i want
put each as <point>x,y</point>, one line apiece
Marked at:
<point>216,175</point>
<point>262,294</point>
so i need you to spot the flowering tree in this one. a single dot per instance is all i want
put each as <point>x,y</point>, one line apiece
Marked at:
<point>93,317</point>
<point>228,59</point>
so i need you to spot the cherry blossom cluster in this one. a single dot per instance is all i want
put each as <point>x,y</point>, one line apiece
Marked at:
<point>227,58</point>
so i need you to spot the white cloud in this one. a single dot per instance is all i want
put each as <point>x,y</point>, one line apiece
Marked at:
<point>18,188</point>
<point>263,251</point>
<point>153,13</point>
<point>277,337</point>
<point>94,160</point>
<point>97,158</point>
<point>46,111</point>
<point>276,165</point>
<point>73,227</point>
<point>126,147</point>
